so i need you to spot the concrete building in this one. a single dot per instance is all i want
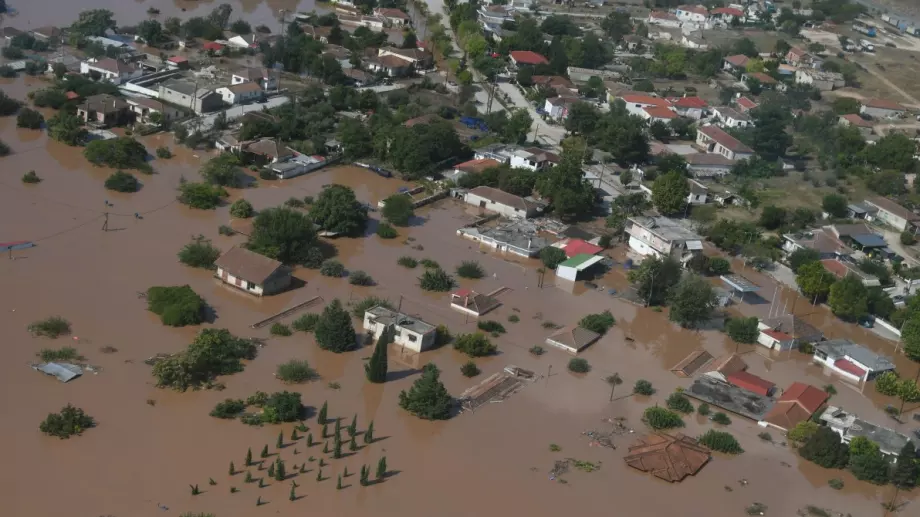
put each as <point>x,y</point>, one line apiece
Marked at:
<point>558,107</point>
<point>114,71</point>
<point>572,339</point>
<point>508,205</point>
<point>298,165</point>
<point>692,13</point>
<point>706,165</point>
<point>797,403</point>
<point>261,76</point>
<point>699,193</point>
<point>822,240</point>
<point>892,214</point>
<point>729,397</point>
<point>786,332</point>
<point>856,121</point>
<point>636,103</point>
<point>690,107</point>
<point>389,65</point>
<point>851,361</point>
<point>144,107</point>
<point>501,153</point>
<point>730,117</point>
<point>251,272</point>
<point>662,237</point>
<point>185,94</point>
<point>475,166</point>
<point>527,58</point>
<point>735,64</point>
<point>823,81</point>
<point>661,114</point>
<point>849,426</point>
<point>519,237</point>
<point>104,110</point>
<point>663,19</point>
<point>533,158</point>
<point>243,40</point>
<point>420,59</point>
<point>394,17</point>
<point>408,331</point>
<point>240,93</point>
<point>714,140</point>
<point>882,108</point>
<point>268,150</point>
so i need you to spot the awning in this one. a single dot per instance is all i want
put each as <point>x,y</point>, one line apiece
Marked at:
<point>739,283</point>
<point>694,245</point>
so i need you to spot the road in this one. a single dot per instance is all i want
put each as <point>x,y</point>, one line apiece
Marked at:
<point>546,134</point>
<point>205,122</point>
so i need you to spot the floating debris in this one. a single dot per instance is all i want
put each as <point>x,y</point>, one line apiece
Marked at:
<point>756,509</point>
<point>150,361</point>
<point>63,371</point>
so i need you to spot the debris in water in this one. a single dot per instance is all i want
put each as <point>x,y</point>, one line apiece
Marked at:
<point>729,489</point>
<point>150,361</point>
<point>743,482</point>
<point>756,509</point>
<point>63,371</point>
<point>586,466</point>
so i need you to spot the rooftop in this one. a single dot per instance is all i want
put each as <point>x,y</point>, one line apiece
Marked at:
<point>727,112</point>
<point>856,120</point>
<point>890,441</point>
<point>575,247</point>
<point>719,135</point>
<point>251,73</point>
<point>669,457</point>
<point>751,382</point>
<point>730,398</point>
<point>581,262</point>
<point>574,337</point>
<point>893,208</point>
<point>503,198</point>
<point>477,165</point>
<point>270,148</point>
<point>794,326</point>
<point>473,301</point>
<point>762,77</point>
<point>840,348</point>
<point>247,265</point>
<point>739,283</point>
<point>659,112</point>
<point>520,234</point>
<point>693,362</point>
<point>552,80</point>
<point>644,99</point>
<point>797,403</point>
<point>819,240</point>
<point>245,87</point>
<point>728,364</point>
<point>665,228</point>
<point>528,57</point>
<point>663,15</point>
<point>390,317</point>
<point>104,103</point>
<point>689,102</point>
<point>739,60</point>
<point>883,104</point>
<point>708,160</point>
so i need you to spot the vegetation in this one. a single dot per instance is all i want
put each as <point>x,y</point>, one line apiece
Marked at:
<point>283,234</point>
<point>429,263</point>
<point>436,280</point>
<point>241,209</point>
<point>692,301</point>
<point>742,330</point>
<point>279,329</point>
<point>600,322</point>
<point>201,195</point>
<point>29,119</point>
<point>407,262</point>
<point>643,387</point>
<point>376,368</point>
<point>398,209</point>
<point>470,269</point>
<point>282,406</point>
<point>491,326</point>
<point>474,345</point>
<point>848,299</point>
<point>332,268</point>
<point>334,331</point>
<point>121,181</point>
<point>703,409</point>
<point>306,323</point>
<point>8,105</point>
<point>825,449</point>
<point>358,309</point>
<point>552,256</point>
<point>660,418</point>
<point>163,152</point>
<point>721,441</point>
<point>360,278</point>
<point>721,418</point>
<point>177,306</point>
<point>50,327</point>
<point>337,210</point>
<point>228,408</point>
<point>31,178</point>
<point>469,369</point>
<point>386,231</point>
<point>199,253</point>
<point>814,280</point>
<point>803,431</point>
<point>66,423</point>
<point>213,352</point>
<point>427,398</point>
<point>65,127</point>
<point>579,365</point>
<point>680,403</point>
<point>669,193</point>
<point>122,152</point>
<point>655,278</point>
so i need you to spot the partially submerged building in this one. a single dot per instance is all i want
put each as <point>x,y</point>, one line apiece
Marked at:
<point>572,339</point>
<point>251,272</point>
<point>408,331</point>
<point>517,237</point>
<point>668,457</point>
<point>662,237</point>
<point>787,332</point>
<point>508,205</point>
<point>849,426</point>
<point>472,303</point>
<point>797,403</point>
<point>851,361</point>
<point>730,398</point>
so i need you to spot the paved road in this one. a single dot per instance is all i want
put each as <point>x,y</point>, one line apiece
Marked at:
<point>547,134</point>
<point>236,112</point>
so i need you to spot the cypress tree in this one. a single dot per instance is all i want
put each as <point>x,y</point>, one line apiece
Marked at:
<point>303,468</point>
<point>259,501</point>
<point>322,463</point>
<point>338,426</point>
<point>376,368</point>
<point>248,478</point>
<point>346,471</point>
<point>906,470</point>
<point>293,496</point>
<point>319,475</point>
<point>280,443</point>
<point>353,428</point>
<point>369,434</point>
<point>271,470</point>
<point>294,436</point>
<point>353,444</point>
<point>261,482</point>
<point>365,472</point>
<point>265,451</point>
<point>321,418</point>
<point>232,469</point>
<point>382,467</point>
<point>338,485</point>
<point>234,490</point>
<point>311,459</point>
<point>325,431</point>
<point>280,471</point>
<point>211,481</point>
<point>326,447</point>
<point>337,448</point>
<point>249,457</point>
<point>310,440</point>
<point>427,398</point>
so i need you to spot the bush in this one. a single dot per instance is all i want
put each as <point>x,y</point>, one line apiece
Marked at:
<point>659,418</point>
<point>229,408</point>
<point>514,318</point>
<point>552,256</point>
<point>643,387</point>
<point>537,350</point>
<point>442,336</point>
<point>742,330</point>
<point>241,209</point>
<point>334,331</point>
<point>599,323</point>
<point>68,422</point>
<point>765,437</point>
<point>305,323</point>
<point>836,484</point>
<point>213,352</point>
<point>436,280</point>
<point>199,253</point>
<point>51,327</point>
<point>201,195</point>
<point>122,152</point>
<point>4,149</point>
<point>8,105</point>
<point>469,369</point>
<point>279,329</point>
<point>474,345</point>
<point>428,398</point>
<point>398,209</point>
<point>721,441</point>
<point>803,431</point>
<point>386,231</point>
<point>226,230</point>
<point>719,266</point>
<point>407,262</point>
<point>65,354</point>
<point>282,407</point>
<point>296,372</point>
<point>680,403</point>
<point>579,365</point>
<point>332,268</point>
<point>267,174</point>
<point>703,409</point>
<point>29,119</point>
<point>177,306</point>
<point>294,202</point>
<point>491,326</point>
<point>360,278</point>
<point>164,152</point>
<point>470,269</point>
<point>31,178</point>
<point>429,263</point>
<point>908,239</point>
<point>721,418</point>
<point>121,181</point>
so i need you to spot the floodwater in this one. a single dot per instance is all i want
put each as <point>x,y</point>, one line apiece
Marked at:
<point>491,462</point>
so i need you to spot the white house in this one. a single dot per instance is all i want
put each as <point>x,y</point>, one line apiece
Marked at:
<point>664,19</point>
<point>393,16</point>
<point>823,81</point>
<point>730,117</point>
<point>239,93</point>
<point>506,204</point>
<point>408,331</point>
<point>112,70</point>
<point>699,193</point>
<point>261,76</point>
<point>662,237</point>
<point>692,13</point>
<point>243,41</point>
<point>652,114</point>
<point>533,158</point>
<point>849,426</point>
<point>882,108</point>
<point>144,107</point>
<point>297,165</point>
<point>714,140</point>
<point>786,332</point>
<point>251,272</point>
<point>690,107</point>
<point>736,63</point>
<point>636,104</point>
<point>891,213</point>
<point>421,59</point>
<point>569,269</point>
<point>558,107</point>
<point>851,361</point>
<point>708,165</point>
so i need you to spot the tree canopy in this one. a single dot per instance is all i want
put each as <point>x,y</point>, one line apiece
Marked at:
<point>848,298</point>
<point>399,209</point>
<point>692,301</point>
<point>334,331</point>
<point>814,280</point>
<point>669,193</point>
<point>213,352</point>
<point>282,234</point>
<point>336,209</point>
<point>427,398</point>
<point>655,278</point>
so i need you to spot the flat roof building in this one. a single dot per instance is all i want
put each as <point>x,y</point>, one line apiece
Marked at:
<point>849,426</point>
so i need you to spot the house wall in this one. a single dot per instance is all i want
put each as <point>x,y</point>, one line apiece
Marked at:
<point>401,336</point>
<point>239,283</point>
<point>505,210</point>
<point>561,346</point>
<point>708,171</point>
<point>775,344</point>
<point>568,273</point>
<point>649,240</point>
<point>829,363</point>
<point>230,97</point>
<point>879,112</point>
<point>641,247</point>
<point>663,22</point>
<point>498,246</point>
<point>890,219</point>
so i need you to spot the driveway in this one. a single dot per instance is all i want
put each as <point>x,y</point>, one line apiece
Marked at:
<point>205,122</point>
<point>546,134</point>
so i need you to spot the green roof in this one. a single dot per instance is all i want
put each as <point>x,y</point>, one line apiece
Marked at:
<point>579,259</point>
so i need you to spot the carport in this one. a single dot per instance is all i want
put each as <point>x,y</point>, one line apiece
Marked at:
<point>739,284</point>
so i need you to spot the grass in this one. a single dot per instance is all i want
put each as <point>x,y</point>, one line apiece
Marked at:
<point>407,262</point>
<point>66,353</point>
<point>51,327</point>
<point>296,371</point>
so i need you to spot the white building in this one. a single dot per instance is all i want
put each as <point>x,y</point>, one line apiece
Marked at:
<point>663,19</point>
<point>251,272</point>
<point>262,76</point>
<point>394,17</point>
<point>112,70</point>
<point>533,158</point>
<point>520,237</point>
<point>730,117</point>
<point>823,81</point>
<point>786,332</point>
<point>851,361</point>
<point>882,108</point>
<point>243,41</point>
<point>699,193</point>
<point>849,426</point>
<point>692,13</point>
<point>662,237</point>
<point>144,107</point>
<point>636,104</point>
<point>239,93</point>
<point>408,331</point>
<point>297,165</point>
<point>508,205</point>
<point>714,140</point>
<point>892,214</point>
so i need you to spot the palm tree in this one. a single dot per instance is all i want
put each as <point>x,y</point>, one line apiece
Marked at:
<point>614,381</point>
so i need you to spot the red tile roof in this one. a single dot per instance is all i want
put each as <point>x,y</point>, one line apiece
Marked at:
<point>72,95</point>
<point>579,246</point>
<point>728,10</point>
<point>212,45</point>
<point>178,59</point>
<point>750,382</point>
<point>806,395</point>
<point>883,104</point>
<point>762,77</point>
<point>478,165</point>
<point>797,404</point>
<point>729,142</point>
<point>849,367</point>
<point>689,102</point>
<point>645,99</point>
<point>746,103</point>
<point>856,120</point>
<point>738,60</point>
<point>837,268</point>
<point>528,57</point>
<point>777,335</point>
<point>698,9</point>
<point>660,112</point>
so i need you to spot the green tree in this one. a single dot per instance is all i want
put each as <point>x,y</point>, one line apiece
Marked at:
<point>93,22</point>
<point>66,423</point>
<point>772,217</point>
<point>282,234</point>
<point>436,279</point>
<point>200,195</point>
<point>249,456</point>
<point>870,466</point>
<point>906,473</point>
<point>599,322</point>
<point>691,301</point>
<point>334,331</point>
<point>323,413</point>
<point>199,253</point>
<point>860,445</point>
<point>848,299</point>
<point>224,170</point>
<point>660,418</point>
<point>241,209</point>
<point>151,32</point>
<point>356,138</point>
<point>721,441</point>
<point>177,306</point>
<point>552,256</point>
<point>280,473</point>
<point>474,345</point>
<point>336,209</point>
<point>376,368</point>
<point>122,152</point>
<point>910,337</point>
<point>803,431</point>
<point>669,193</point>
<point>398,209</point>
<point>835,204</point>
<point>369,433</point>
<point>427,398</point>
<point>121,181</point>
<point>801,257</point>
<point>572,197</point>
<point>895,151</point>
<point>769,137</point>
<point>825,449</point>
<point>742,330</point>
<point>814,281</point>
<point>680,403</point>
<point>382,467</point>
<point>655,278</point>
<point>29,119</point>
<point>213,352</point>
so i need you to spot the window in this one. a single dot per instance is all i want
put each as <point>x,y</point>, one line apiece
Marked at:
<point>250,285</point>
<point>412,337</point>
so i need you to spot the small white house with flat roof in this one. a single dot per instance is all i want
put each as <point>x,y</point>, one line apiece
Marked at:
<point>408,331</point>
<point>849,426</point>
<point>851,361</point>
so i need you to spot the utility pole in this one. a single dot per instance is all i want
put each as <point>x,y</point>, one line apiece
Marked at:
<point>105,225</point>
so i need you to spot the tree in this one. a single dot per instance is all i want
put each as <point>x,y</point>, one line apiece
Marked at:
<point>552,256</point>
<point>870,466</point>
<point>895,151</point>
<point>356,138</point>
<point>376,368</point>
<point>177,306</point>
<point>474,345</point>
<point>121,181</point>
<point>436,279</point>
<point>742,330</point>
<point>382,467</point>
<point>801,257</point>
<point>282,234</point>
<point>660,418</point>
<point>654,279</point>
<point>295,371</point>
<point>680,403</point>
<point>769,136</point>
<point>616,25</point>
<point>321,416</point>
<point>906,473</point>
<point>518,126</point>
<point>719,266</point>
<point>427,398</point>
<point>669,193</point>
<point>29,119</point>
<point>659,131</point>
<point>121,152</point>
<point>66,423</point>
<point>93,22</point>
<point>241,209</point>
<point>772,217</point>
<point>860,445</point>
<point>848,299</point>
<point>151,32</point>
<point>240,26</point>
<point>398,209</point>
<point>692,301</point>
<point>825,449</point>
<point>600,322</point>
<point>721,441</point>
<point>9,105</point>
<point>222,170</point>
<point>336,209</point>
<point>572,197</point>
<point>803,431</point>
<point>213,352</point>
<point>910,337</point>
<point>815,281</point>
<point>334,331</point>
<point>199,253</point>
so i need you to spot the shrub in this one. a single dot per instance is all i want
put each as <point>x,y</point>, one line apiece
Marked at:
<point>442,335</point>
<point>721,418</point>
<point>332,268</point>
<point>742,330</point>
<point>407,262</point>
<point>229,408</point>
<point>68,422</point>
<point>765,436</point>
<point>491,326</point>
<point>29,119</point>
<point>360,278</point>
<point>164,152</point>
<point>599,323</point>
<point>177,306</point>
<point>199,253</point>
<point>908,238</point>
<point>552,256</point>
<point>513,318</point>
<point>469,369</point>
<point>121,181</point>
<point>537,350</point>
<point>294,202</point>
<point>429,263</point>
<point>201,195</point>
<point>334,331</point>
<point>4,149</point>
<point>436,280</point>
<point>579,365</point>
<point>470,269</point>
<point>721,441</point>
<point>305,323</point>
<point>830,389</point>
<point>474,345</point>
<point>719,266</point>
<point>803,431</point>
<point>680,403</point>
<point>643,387</point>
<point>704,409</point>
<point>241,209</point>
<point>31,177</point>
<point>213,352</point>
<point>282,407</point>
<point>660,418</point>
<point>267,174</point>
<point>427,398</point>
<point>122,152</point>
<point>279,329</point>
<point>66,353</point>
<point>51,327</point>
<point>225,230</point>
<point>836,484</point>
<point>359,308</point>
<point>398,209</point>
<point>296,371</point>
<point>386,231</point>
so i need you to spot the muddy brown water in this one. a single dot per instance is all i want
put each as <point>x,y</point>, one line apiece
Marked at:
<point>493,461</point>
